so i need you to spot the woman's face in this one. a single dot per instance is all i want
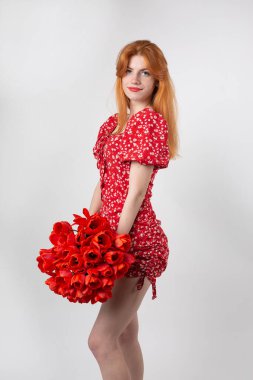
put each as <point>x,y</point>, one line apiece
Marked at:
<point>138,77</point>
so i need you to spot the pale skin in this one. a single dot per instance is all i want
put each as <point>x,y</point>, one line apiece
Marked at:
<point>114,337</point>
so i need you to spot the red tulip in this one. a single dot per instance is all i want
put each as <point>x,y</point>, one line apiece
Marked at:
<point>104,239</point>
<point>75,262</point>
<point>114,257</point>
<point>121,269</point>
<point>123,241</point>
<point>91,256</point>
<point>78,280</point>
<point>93,281</point>
<point>105,270</point>
<point>46,260</point>
<point>62,232</point>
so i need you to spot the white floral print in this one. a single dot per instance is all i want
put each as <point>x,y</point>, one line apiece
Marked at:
<point>144,139</point>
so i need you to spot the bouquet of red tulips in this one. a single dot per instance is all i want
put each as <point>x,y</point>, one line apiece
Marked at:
<point>84,263</point>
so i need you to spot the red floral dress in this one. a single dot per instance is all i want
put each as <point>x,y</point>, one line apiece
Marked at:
<point>144,140</point>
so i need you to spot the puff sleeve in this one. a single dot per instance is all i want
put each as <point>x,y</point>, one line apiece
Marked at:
<point>146,142</point>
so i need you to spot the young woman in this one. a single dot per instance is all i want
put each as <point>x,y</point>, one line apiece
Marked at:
<point>130,148</point>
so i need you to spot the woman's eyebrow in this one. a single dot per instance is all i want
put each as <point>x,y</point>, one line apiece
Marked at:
<point>140,69</point>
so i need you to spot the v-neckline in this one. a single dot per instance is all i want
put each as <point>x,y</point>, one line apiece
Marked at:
<point>134,115</point>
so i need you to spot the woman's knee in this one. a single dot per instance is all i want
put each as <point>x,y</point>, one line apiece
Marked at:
<point>95,341</point>
<point>101,345</point>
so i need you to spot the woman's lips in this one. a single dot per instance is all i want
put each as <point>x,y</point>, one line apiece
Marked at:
<point>134,89</point>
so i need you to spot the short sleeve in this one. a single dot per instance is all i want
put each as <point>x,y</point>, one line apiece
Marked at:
<point>146,142</point>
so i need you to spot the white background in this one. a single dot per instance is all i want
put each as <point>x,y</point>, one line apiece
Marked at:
<point>57,75</point>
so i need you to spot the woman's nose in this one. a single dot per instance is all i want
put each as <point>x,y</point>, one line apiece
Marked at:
<point>135,78</point>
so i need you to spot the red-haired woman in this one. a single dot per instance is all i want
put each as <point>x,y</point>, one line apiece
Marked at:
<point>130,148</point>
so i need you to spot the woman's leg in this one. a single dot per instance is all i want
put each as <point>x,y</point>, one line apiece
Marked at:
<point>113,318</point>
<point>131,349</point>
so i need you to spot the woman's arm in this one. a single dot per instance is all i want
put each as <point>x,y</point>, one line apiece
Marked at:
<point>139,179</point>
<point>96,202</point>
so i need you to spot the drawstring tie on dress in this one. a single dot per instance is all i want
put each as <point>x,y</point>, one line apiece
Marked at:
<point>152,279</point>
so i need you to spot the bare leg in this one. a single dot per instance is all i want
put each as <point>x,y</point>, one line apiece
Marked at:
<point>113,318</point>
<point>131,349</point>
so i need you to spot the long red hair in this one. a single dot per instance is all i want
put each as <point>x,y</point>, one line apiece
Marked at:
<point>163,98</point>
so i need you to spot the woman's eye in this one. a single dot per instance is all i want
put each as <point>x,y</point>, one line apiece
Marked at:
<point>146,73</point>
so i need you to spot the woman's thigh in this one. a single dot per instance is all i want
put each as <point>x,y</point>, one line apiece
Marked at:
<point>117,312</point>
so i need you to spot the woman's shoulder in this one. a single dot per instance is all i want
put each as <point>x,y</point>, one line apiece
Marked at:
<point>154,116</point>
<point>150,121</point>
